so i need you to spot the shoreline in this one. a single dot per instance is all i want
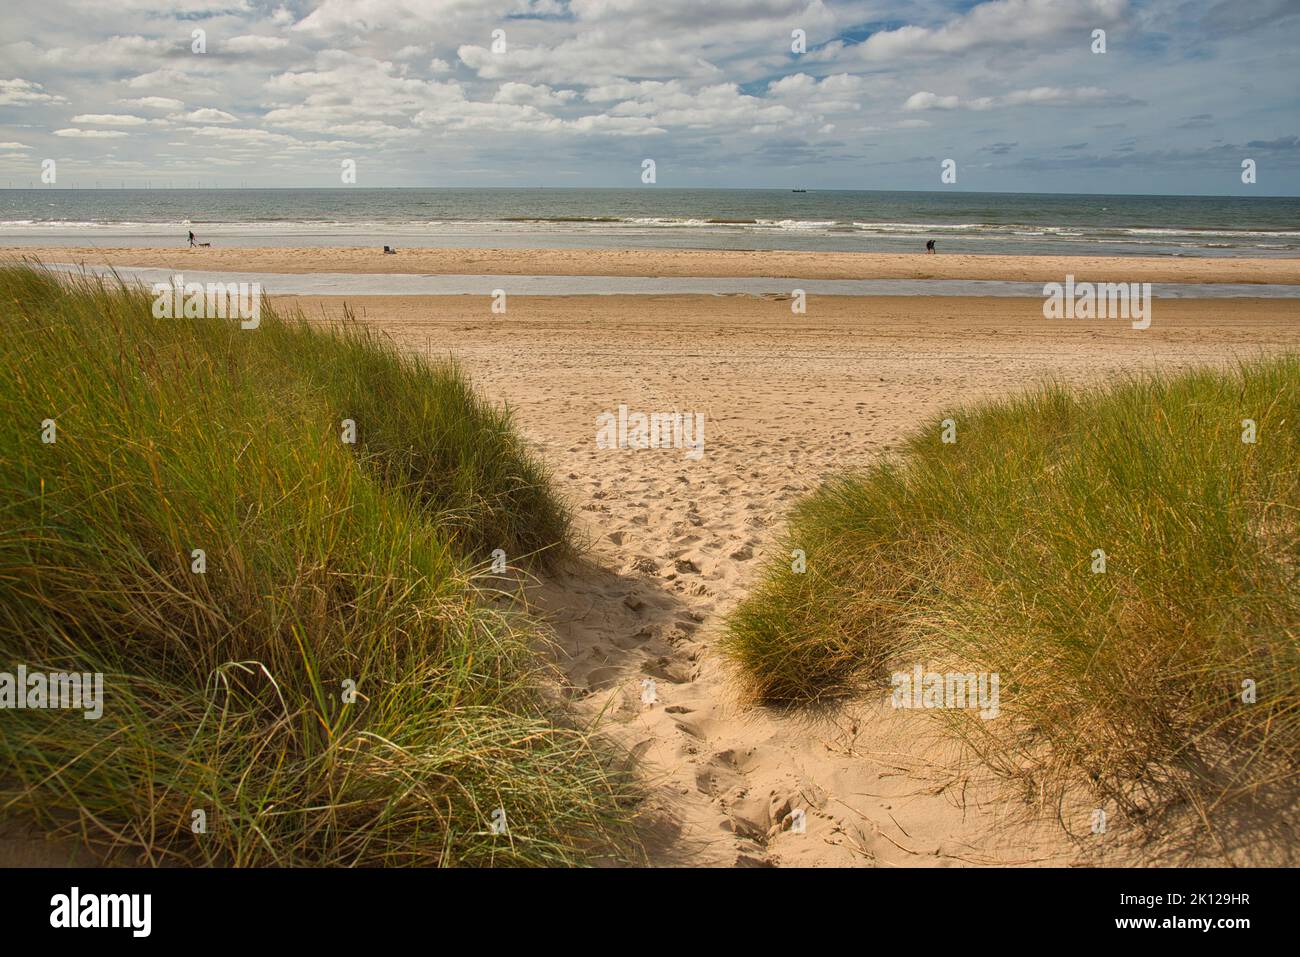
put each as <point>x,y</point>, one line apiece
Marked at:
<point>364,285</point>
<point>679,263</point>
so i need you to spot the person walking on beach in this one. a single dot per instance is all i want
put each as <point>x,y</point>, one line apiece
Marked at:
<point>192,237</point>
<point>929,246</point>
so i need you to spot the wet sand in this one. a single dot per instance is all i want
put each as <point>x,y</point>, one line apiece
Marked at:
<point>682,262</point>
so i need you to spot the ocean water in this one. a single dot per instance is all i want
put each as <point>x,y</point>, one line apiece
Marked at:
<point>830,220</point>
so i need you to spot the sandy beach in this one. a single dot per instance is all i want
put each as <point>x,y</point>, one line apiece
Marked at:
<point>676,543</point>
<point>679,262</point>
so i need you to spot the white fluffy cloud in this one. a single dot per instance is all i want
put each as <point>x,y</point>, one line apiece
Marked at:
<point>925,100</point>
<point>997,23</point>
<point>526,94</point>
<point>90,134</point>
<point>153,103</point>
<point>110,119</point>
<point>17,92</point>
<point>1037,96</point>
<point>578,82</point>
<point>254,44</point>
<point>208,115</point>
<point>591,56</point>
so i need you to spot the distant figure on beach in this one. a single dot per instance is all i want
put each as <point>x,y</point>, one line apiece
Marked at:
<point>929,246</point>
<point>192,237</point>
<point>389,251</point>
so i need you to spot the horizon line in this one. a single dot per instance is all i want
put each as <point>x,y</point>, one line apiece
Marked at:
<point>800,189</point>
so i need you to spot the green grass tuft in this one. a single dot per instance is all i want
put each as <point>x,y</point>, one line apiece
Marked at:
<point>978,555</point>
<point>326,562</point>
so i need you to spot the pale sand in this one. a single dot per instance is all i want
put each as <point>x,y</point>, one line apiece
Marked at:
<point>680,262</point>
<point>22,845</point>
<point>676,544</point>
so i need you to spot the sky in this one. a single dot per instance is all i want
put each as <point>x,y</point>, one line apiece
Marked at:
<point>718,93</point>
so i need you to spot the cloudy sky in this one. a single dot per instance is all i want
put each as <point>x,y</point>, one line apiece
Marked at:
<point>580,92</point>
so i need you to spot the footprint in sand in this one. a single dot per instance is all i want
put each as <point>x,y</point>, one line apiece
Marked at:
<point>602,679</point>
<point>628,642</point>
<point>669,669</point>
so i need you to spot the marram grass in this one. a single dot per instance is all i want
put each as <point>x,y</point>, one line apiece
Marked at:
<point>328,566</point>
<point>982,555</point>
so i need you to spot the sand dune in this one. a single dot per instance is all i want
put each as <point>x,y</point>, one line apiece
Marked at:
<point>675,543</point>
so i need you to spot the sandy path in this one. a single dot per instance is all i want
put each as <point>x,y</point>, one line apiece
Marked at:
<point>676,543</point>
<point>681,262</point>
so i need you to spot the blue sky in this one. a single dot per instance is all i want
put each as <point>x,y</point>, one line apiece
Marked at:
<point>581,92</point>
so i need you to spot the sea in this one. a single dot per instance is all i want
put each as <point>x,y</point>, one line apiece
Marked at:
<point>654,217</point>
